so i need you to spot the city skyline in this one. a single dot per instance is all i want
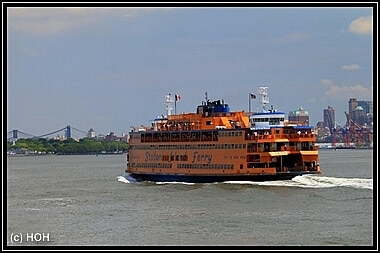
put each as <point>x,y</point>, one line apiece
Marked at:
<point>86,133</point>
<point>110,68</point>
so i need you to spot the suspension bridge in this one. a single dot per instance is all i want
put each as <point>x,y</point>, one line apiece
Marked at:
<point>65,132</point>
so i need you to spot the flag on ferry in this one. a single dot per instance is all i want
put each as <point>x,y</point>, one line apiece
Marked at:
<point>177,97</point>
<point>252,96</point>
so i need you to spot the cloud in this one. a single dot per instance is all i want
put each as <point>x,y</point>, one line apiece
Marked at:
<point>351,67</point>
<point>343,92</point>
<point>327,82</point>
<point>362,25</point>
<point>40,21</point>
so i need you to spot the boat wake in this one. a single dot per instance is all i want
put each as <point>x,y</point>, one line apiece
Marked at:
<point>126,178</point>
<point>314,181</point>
<point>186,183</point>
<point>305,181</point>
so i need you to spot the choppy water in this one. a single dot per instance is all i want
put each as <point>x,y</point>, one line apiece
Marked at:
<point>88,201</point>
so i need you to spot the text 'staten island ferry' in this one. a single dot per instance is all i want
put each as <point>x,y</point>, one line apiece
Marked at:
<point>216,144</point>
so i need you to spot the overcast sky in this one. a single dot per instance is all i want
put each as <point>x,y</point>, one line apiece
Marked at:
<point>110,68</point>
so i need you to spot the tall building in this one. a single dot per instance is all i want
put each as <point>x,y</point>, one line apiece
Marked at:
<point>359,115</point>
<point>367,106</point>
<point>329,117</point>
<point>299,116</point>
<point>352,104</point>
<point>360,111</point>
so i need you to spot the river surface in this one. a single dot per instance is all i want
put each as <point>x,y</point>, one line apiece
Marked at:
<point>88,200</point>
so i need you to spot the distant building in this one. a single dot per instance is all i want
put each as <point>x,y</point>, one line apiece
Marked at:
<point>367,106</point>
<point>352,104</point>
<point>91,133</point>
<point>360,112</point>
<point>329,117</point>
<point>111,137</point>
<point>320,124</point>
<point>299,116</point>
<point>100,136</point>
<point>359,115</point>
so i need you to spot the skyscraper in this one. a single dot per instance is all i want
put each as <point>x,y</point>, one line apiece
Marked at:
<point>329,118</point>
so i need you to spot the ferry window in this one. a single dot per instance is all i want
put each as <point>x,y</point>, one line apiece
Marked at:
<point>274,121</point>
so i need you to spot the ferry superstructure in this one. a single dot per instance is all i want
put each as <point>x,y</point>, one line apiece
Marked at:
<point>215,144</point>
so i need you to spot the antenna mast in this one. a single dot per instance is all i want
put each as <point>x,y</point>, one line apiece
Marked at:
<point>264,99</point>
<point>168,103</point>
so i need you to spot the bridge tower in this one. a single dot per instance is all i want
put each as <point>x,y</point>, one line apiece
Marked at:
<point>15,134</point>
<point>68,131</point>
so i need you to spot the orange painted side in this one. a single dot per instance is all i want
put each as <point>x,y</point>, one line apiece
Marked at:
<point>202,158</point>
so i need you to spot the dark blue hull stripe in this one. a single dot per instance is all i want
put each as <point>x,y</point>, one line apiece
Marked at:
<point>213,178</point>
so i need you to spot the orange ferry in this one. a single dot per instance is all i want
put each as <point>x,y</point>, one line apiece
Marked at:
<point>216,144</point>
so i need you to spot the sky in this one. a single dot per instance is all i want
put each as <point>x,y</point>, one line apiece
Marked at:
<point>110,68</point>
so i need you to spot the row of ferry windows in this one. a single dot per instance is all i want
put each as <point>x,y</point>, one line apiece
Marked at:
<point>152,165</point>
<point>215,134</point>
<point>206,166</point>
<point>184,166</point>
<point>230,133</point>
<point>267,119</point>
<point>199,146</point>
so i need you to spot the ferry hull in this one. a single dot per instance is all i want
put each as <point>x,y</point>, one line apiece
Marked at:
<point>215,178</point>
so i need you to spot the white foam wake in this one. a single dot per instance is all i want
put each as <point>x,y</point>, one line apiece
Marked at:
<point>305,181</point>
<point>315,181</point>
<point>325,182</point>
<point>126,179</point>
<point>175,182</point>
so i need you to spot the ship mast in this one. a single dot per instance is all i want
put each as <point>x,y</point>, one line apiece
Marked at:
<point>168,103</point>
<point>264,99</point>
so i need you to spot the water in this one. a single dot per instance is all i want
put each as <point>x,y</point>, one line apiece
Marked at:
<point>88,201</point>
